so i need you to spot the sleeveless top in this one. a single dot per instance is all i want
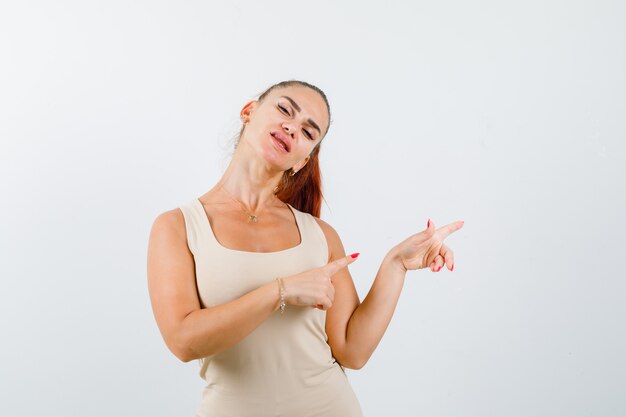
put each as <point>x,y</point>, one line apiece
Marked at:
<point>284,367</point>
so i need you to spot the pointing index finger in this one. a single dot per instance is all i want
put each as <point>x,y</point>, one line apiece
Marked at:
<point>337,264</point>
<point>448,229</point>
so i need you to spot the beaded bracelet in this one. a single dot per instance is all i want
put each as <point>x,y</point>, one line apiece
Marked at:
<point>282,295</point>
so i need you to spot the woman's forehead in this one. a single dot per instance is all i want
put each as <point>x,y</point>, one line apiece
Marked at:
<point>305,94</point>
<point>303,99</point>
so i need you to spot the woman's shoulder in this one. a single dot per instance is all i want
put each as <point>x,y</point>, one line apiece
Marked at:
<point>170,221</point>
<point>335,246</point>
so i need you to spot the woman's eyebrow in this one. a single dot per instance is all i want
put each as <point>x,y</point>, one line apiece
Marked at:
<point>295,105</point>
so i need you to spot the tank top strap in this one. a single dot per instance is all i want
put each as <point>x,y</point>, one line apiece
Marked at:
<point>194,225</point>
<point>312,234</point>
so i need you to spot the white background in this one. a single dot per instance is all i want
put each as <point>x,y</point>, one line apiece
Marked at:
<point>507,115</point>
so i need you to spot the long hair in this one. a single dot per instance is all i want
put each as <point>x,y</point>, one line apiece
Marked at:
<point>304,189</point>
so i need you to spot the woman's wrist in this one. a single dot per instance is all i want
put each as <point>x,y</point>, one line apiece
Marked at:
<point>270,295</point>
<point>393,259</point>
<point>281,292</point>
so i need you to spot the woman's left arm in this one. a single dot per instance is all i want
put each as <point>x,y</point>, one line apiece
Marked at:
<point>354,329</point>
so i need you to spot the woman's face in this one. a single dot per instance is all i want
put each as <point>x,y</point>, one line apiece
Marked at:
<point>295,115</point>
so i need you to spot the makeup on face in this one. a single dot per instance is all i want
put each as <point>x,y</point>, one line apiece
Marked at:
<point>298,109</point>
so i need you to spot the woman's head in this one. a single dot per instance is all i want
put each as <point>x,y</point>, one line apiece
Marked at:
<point>297,113</point>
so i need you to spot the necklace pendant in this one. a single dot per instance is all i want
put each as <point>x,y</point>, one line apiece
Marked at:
<point>253,218</point>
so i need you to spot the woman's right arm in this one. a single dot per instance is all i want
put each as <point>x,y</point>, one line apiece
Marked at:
<point>189,331</point>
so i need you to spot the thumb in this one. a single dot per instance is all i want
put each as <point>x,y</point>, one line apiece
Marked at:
<point>336,265</point>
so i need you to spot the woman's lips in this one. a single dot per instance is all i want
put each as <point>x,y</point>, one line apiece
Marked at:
<point>278,144</point>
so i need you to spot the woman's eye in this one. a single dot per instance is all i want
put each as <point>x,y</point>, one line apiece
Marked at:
<point>306,132</point>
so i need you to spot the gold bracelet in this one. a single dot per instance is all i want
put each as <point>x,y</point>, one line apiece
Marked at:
<point>282,295</point>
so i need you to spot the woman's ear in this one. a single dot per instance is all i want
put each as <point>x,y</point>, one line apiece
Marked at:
<point>246,110</point>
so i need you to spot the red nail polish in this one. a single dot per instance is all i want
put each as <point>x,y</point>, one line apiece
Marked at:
<point>354,255</point>
<point>438,269</point>
<point>427,226</point>
<point>452,269</point>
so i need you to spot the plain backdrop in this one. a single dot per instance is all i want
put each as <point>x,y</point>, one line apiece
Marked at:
<point>507,115</point>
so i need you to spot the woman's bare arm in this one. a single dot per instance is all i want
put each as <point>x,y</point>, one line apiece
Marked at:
<point>189,331</point>
<point>355,328</point>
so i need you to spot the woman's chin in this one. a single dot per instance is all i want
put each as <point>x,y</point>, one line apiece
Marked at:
<point>274,158</point>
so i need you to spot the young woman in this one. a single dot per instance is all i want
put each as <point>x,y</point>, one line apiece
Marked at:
<point>248,280</point>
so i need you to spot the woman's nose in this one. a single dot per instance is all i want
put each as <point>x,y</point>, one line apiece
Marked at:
<point>289,129</point>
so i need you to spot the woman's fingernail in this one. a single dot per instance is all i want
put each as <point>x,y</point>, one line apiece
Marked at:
<point>428,225</point>
<point>354,255</point>
<point>438,269</point>
<point>452,269</point>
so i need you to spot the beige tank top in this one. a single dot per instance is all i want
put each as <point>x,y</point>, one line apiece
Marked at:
<point>287,355</point>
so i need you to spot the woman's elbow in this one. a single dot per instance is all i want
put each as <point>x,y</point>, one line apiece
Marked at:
<point>179,346</point>
<point>357,365</point>
<point>183,355</point>
<point>352,363</point>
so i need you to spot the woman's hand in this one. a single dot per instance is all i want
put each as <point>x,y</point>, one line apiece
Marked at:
<point>314,287</point>
<point>426,249</point>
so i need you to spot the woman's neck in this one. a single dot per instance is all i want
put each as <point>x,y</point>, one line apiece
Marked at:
<point>250,183</point>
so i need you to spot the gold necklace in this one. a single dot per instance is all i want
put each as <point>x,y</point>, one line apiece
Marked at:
<point>251,216</point>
